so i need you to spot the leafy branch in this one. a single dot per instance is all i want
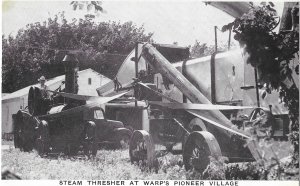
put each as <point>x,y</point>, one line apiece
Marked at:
<point>270,53</point>
<point>96,5</point>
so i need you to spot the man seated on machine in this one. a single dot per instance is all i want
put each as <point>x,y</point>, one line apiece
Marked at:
<point>43,87</point>
<point>45,94</point>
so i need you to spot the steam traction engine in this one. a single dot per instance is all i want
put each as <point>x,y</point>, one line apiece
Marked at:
<point>65,124</point>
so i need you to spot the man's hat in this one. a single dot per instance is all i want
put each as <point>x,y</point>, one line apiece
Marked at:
<point>42,78</point>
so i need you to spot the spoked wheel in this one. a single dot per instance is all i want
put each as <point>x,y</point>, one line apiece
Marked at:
<point>31,103</point>
<point>35,100</point>
<point>199,146</point>
<point>141,148</point>
<point>90,146</point>
<point>42,141</point>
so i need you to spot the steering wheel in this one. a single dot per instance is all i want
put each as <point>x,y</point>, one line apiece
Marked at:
<point>256,113</point>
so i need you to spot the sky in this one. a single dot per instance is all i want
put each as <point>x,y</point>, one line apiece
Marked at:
<point>170,20</point>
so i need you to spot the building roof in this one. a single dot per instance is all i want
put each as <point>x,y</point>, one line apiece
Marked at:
<point>49,82</point>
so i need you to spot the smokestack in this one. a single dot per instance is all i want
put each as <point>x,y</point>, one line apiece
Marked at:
<point>71,67</point>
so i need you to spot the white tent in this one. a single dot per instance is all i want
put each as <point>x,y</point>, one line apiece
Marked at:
<point>18,100</point>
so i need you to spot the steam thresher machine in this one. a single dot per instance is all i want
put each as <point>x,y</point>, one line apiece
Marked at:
<point>186,105</point>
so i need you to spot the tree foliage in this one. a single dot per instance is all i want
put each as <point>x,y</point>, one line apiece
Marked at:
<point>39,48</point>
<point>202,49</point>
<point>270,53</point>
<point>90,5</point>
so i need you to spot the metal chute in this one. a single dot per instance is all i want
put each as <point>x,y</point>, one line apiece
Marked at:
<point>95,99</point>
<point>194,106</point>
<point>235,9</point>
<point>204,114</point>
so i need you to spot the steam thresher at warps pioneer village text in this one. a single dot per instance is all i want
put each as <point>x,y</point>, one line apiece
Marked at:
<point>67,122</point>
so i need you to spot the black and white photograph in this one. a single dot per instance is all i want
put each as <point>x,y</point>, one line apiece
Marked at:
<point>132,92</point>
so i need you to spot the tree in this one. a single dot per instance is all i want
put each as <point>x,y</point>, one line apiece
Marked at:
<point>270,53</point>
<point>40,47</point>
<point>201,50</point>
<point>90,5</point>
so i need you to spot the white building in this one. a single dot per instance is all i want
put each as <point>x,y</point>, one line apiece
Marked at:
<point>88,81</point>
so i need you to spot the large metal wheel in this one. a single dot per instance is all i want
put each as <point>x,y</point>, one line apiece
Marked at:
<point>90,146</point>
<point>199,146</point>
<point>31,100</point>
<point>42,141</point>
<point>35,100</point>
<point>141,148</point>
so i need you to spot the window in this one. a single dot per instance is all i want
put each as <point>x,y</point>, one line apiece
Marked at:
<point>90,81</point>
<point>98,114</point>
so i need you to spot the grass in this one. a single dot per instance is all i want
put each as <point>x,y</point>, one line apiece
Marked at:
<point>107,165</point>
